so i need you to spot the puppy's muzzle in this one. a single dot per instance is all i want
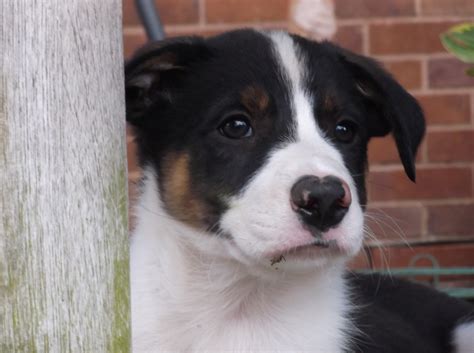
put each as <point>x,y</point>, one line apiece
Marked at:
<point>321,203</point>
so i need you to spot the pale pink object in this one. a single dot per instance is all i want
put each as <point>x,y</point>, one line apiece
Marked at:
<point>315,17</point>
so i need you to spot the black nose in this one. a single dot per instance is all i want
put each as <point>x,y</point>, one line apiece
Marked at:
<point>321,202</point>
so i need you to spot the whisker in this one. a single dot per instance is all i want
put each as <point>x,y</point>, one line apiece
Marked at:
<point>391,222</point>
<point>382,249</point>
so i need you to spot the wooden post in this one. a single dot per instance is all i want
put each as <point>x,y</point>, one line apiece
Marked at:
<point>63,192</point>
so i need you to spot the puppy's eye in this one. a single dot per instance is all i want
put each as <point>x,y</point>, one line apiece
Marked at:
<point>237,126</point>
<point>345,131</point>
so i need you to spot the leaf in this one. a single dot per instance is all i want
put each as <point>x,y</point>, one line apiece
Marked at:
<point>461,28</point>
<point>459,40</point>
<point>467,38</point>
<point>470,71</point>
<point>465,54</point>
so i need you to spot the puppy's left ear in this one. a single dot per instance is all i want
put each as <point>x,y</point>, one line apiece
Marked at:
<point>154,71</point>
<point>391,108</point>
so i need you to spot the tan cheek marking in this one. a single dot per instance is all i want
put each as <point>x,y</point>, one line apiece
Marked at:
<point>178,197</point>
<point>255,99</point>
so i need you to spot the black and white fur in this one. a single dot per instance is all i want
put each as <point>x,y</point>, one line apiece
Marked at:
<point>220,262</point>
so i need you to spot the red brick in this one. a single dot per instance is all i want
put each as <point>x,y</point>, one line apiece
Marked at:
<point>451,219</point>
<point>360,261</point>
<point>232,11</point>
<point>374,8</point>
<point>432,183</point>
<point>350,37</point>
<point>171,12</point>
<point>178,11</point>
<point>402,38</point>
<point>129,13</point>
<point>395,223</point>
<point>131,42</point>
<point>446,108</point>
<point>383,151</point>
<point>449,72</point>
<point>459,255</point>
<point>451,146</point>
<point>447,7</point>
<point>406,72</point>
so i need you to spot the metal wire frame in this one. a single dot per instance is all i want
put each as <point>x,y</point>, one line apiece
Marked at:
<point>150,17</point>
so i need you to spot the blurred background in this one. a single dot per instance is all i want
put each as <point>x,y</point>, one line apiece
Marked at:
<point>427,224</point>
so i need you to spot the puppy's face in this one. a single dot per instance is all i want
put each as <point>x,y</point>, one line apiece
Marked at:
<point>259,140</point>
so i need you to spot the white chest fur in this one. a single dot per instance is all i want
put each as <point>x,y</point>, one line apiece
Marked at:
<point>184,301</point>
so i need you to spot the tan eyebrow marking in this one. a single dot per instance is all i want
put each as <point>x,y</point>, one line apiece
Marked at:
<point>255,99</point>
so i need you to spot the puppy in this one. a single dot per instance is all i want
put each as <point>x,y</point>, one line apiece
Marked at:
<point>254,150</point>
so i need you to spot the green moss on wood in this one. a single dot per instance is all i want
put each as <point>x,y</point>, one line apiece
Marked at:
<point>121,321</point>
<point>117,201</point>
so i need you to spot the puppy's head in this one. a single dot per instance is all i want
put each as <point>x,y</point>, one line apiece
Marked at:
<point>259,140</point>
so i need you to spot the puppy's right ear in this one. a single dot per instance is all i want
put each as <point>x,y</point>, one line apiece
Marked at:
<point>154,69</point>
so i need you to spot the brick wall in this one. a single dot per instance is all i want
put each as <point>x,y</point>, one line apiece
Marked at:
<point>403,35</point>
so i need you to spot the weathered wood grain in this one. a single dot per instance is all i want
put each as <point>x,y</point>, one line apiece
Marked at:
<point>63,197</point>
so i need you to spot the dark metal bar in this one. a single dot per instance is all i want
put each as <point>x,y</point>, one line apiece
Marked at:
<point>150,18</point>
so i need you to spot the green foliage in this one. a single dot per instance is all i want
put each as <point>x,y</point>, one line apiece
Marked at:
<point>459,40</point>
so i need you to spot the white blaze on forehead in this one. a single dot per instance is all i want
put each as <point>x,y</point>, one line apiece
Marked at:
<point>293,64</point>
<point>286,50</point>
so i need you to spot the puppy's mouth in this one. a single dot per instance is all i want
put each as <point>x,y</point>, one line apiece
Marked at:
<point>323,243</point>
<point>317,243</point>
<point>306,250</point>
